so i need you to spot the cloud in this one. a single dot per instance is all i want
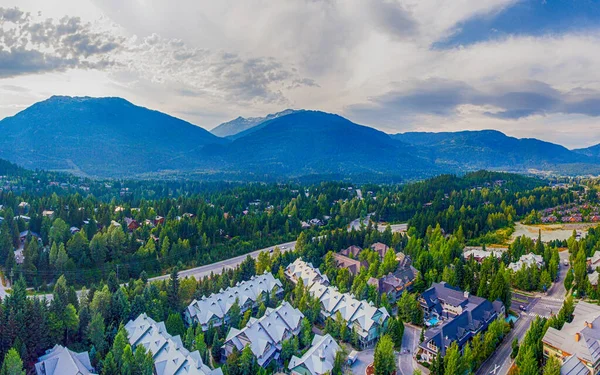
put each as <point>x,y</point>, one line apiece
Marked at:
<point>28,46</point>
<point>510,101</point>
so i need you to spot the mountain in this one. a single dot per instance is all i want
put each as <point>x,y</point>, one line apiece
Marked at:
<point>105,137</point>
<point>593,151</point>
<point>491,149</point>
<point>111,137</point>
<point>233,128</point>
<point>317,143</point>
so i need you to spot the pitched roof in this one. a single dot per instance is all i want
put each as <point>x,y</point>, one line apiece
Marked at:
<point>319,358</point>
<point>581,337</point>
<point>62,361</point>
<point>354,250</point>
<point>265,335</point>
<point>310,275</point>
<point>219,304</point>
<point>169,354</point>
<point>573,366</point>
<point>352,310</point>
<point>353,265</point>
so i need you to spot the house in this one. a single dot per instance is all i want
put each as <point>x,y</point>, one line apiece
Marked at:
<point>119,209</point>
<point>23,235</point>
<point>62,361</point>
<point>462,316</point>
<point>149,223</point>
<point>593,262</point>
<point>310,275</point>
<point>1,219</point>
<point>24,206</point>
<point>48,213</point>
<point>131,224</point>
<point>351,251</point>
<point>168,353</point>
<point>479,254</point>
<point>353,265</point>
<point>593,278</point>
<point>249,294</point>
<point>360,315</point>
<point>114,224</point>
<point>380,248</point>
<point>74,230</point>
<point>267,334</point>
<point>576,344</point>
<point>318,360</point>
<point>527,261</point>
<point>159,220</point>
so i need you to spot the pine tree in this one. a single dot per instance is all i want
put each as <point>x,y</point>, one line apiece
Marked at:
<point>12,365</point>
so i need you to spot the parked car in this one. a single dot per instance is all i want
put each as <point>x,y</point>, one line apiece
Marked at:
<point>566,263</point>
<point>522,308</point>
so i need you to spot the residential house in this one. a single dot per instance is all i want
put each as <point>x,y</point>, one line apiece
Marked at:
<point>593,278</point>
<point>351,251</point>
<point>62,361</point>
<point>74,230</point>
<point>23,235</point>
<point>527,260</point>
<point>576,344</point>
<point>48,213</point>
<point>593,262</point>
<point>266,334</point>
<point>310,275</point>
<point>380,248</point>
<point>353,265</point>
<point>462,316</point>
<point>159,220</point>
<point>479,254</point>
<point>132,224</point>
<point>318,360</point>
<point>249,294</point>
<point>360,315</point>
<point>169,355</point>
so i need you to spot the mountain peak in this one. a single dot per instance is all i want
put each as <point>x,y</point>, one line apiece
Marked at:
<point>233,128</point>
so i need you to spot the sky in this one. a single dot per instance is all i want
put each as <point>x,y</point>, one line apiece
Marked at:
<point>529,68</point>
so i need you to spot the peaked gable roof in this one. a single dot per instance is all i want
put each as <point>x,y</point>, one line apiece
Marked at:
<point>62,361</point>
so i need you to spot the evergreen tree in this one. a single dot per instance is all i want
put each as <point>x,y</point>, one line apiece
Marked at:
<point>12,365</point>
<point>384,358</point>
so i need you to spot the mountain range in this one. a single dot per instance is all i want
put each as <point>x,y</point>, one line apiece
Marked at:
<point>111,137</point>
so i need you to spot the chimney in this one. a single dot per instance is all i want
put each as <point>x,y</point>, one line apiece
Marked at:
<point>466,294</point>
<point>577,336</point>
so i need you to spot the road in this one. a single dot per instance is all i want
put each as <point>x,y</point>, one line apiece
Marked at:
<point>543,305</point>
<point>364,358</point>
<point>216,268</point>
<point>410,341</point>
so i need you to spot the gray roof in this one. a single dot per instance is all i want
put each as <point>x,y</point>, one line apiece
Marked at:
<point>527,260</point>
<point>62,361</point>
<point>573,366</point>
<point>203,310</point>
<point>265,335</point>
<point>310,275</point>
<point>319,358</point>
<point>581,337</point>
<point>353,311</point>
<point>169,354</point>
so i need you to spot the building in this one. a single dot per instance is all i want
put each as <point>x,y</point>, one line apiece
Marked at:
<point>593,278</point>
<point>310,275</point>
<point>456,316</point>
<point>318,360</point>
<point>380,248</point>
<point>267,334</point>
<point>360,315</point>
<point>577,344</point>
<point>249,294</point>
<point>132,224</point>
<point>527,260</point>
<point>593,262</point>
<point>352,251</point>
<point>353,265</point>
<point>48,213</point>
<point>169,355</point>
<point>62,361</point>
<point>395,284</point>
<point>479,254</point>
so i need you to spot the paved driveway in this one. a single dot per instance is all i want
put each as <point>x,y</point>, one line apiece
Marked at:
<point>364,358</point>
